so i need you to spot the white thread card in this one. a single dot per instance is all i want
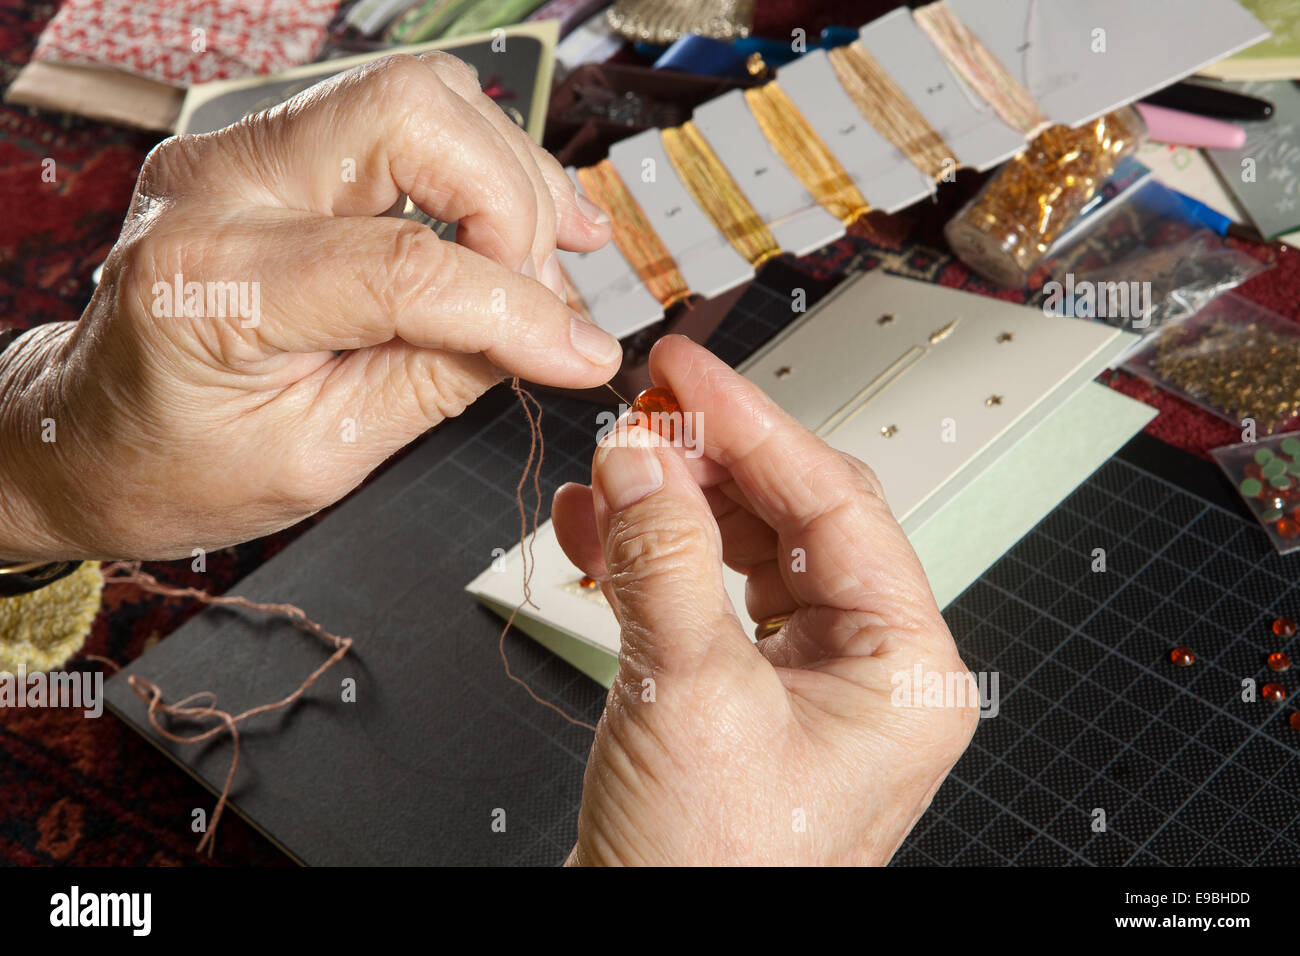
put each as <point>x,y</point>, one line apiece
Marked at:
<point>1080,60</point>
<point>976,134</point>
<point>706,259</point>
<point>614,294</point>
<point>919,380</point>
<point>797,222</point>
<point>883,174</point>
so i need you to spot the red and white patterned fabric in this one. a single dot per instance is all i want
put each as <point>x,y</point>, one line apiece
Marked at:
<point>182,42</point>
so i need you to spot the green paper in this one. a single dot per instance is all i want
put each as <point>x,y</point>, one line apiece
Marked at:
<point>1263,456</point>
<point>1251,487</point>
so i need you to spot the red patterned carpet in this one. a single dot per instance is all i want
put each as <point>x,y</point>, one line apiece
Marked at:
<point>92,792</point>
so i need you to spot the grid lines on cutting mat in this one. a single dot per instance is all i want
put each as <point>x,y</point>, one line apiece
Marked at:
<point>1093,713</point>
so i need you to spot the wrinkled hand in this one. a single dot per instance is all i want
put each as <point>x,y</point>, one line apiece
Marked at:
<point>180,431</point>
<point>788,751</point>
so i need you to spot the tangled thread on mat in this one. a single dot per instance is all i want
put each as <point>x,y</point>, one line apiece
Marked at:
<point>189,709</point>
<point>202,706</point>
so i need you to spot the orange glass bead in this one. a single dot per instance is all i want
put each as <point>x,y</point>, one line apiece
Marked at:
<point>1284,627</point>
<point>1273,692</point>
<point>660,408</point>
<point>1277,661</point>
<point>1182,657</point>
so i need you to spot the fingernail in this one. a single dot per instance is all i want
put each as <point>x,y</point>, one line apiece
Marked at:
<point>592,343</point>
<point>529,269</point>
<point>589,209</point>
<point>628,473</point>
<point>553,277</point>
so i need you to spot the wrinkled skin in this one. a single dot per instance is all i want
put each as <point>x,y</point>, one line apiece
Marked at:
<point>791,751</point>
<point>201,432</point>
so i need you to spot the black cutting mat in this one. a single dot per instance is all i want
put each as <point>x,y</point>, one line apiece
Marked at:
<point>1094,714</point>
<point>440,740</point>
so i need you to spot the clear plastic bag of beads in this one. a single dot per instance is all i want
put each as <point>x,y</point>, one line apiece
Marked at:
<point>1234,358</point>
<point>1266,473</point>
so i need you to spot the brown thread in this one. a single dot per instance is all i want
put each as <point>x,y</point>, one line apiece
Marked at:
<point>128,572</point>
<point>533,467</point>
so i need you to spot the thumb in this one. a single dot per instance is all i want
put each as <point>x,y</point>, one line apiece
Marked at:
<point>663,552</point>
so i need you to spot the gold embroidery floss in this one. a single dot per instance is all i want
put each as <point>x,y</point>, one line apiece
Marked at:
<point>808,157</point>
<point>717,193</point>
<point>633,234</point>
<point>977,65</point>
<point>886,107</point>
<point>1004,232</point>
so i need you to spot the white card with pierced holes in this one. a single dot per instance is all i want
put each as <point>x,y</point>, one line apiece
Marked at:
<point>927,383</point>
<point>930,386</point>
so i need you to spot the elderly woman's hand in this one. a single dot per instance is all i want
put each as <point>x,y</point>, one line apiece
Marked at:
<point>798,749</point>
<point>264,336</point>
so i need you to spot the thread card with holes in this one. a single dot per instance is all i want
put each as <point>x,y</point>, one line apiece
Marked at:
<point>798,223</point>
<point>925,383</point>
<point>706,259</point>
<point>1080,60</point>
<point>886,178</point>
<point>978,137</point>
<point>613,293</point>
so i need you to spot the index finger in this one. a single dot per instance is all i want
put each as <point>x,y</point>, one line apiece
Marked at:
<point>353,145</point>
<point>856,555</point>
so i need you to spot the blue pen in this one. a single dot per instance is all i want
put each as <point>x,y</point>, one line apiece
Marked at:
<point>1197,211</point>
<point>838,36</point>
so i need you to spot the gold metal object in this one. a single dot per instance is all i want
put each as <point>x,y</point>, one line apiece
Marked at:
<point>662,21</point>
<point>770,625</point>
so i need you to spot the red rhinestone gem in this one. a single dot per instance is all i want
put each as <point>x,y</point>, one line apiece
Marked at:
<point>588,583</point>
<point>1277,661</point>
<point>1294,720</point>
<point>1182,657</point>
<point>1273,692</point>
<point>1284,627</point>
<point>1288,528</point>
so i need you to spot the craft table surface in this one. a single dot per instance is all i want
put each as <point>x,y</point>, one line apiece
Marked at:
<point>93,791</point>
